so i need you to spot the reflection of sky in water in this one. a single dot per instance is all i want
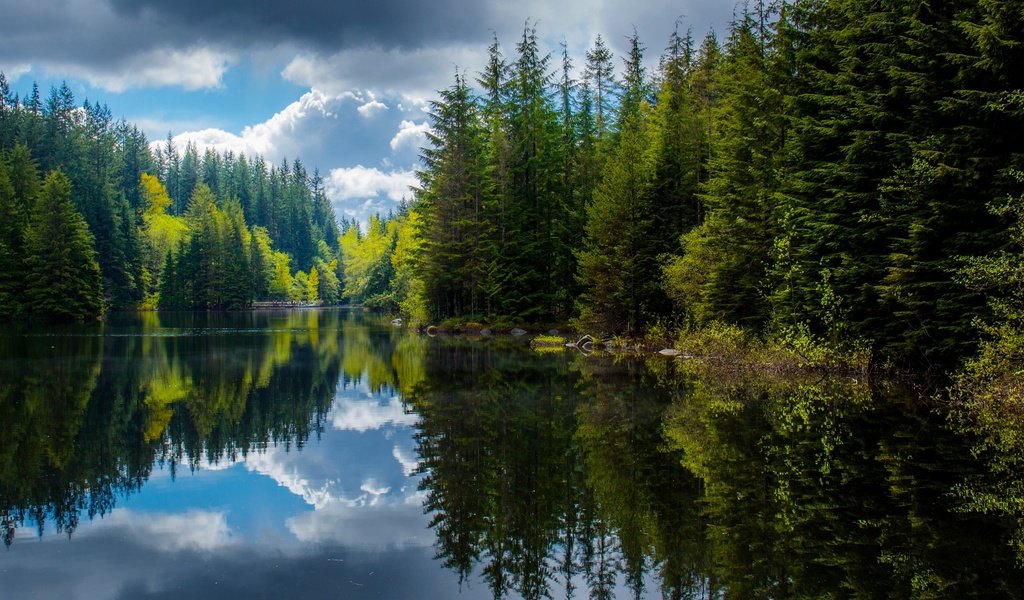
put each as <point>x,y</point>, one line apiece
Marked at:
<point>345,509</point>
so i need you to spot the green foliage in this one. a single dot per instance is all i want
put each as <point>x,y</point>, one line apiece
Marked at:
<point>819,177</point>
<point>366,259</point>
<point>134,199</point>
<point>62,278</point>
<point>989,390</point>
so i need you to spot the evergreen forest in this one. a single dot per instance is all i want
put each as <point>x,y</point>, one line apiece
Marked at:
<point>841,171</point>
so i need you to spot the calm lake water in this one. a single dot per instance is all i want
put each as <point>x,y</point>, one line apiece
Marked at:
<point>302,454</point>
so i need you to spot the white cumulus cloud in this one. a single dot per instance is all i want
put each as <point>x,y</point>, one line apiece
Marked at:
<point>316,492</point>
<point>409,463</point>
<point>347,183</point>
<point>193,69</point>
<point>166,532</point>
<point>410,135</point>
<point>284,135</point>
<point>372,108</point>
<point>359,415</point>
<point>374,527</point>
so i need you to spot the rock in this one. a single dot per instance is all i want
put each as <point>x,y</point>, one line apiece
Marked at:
<point>485,331</point>
<point>396,322</point>
<point>669,352</point>
<point>518,331</point>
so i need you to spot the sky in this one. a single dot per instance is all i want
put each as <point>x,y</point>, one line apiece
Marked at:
<point>343,86</point>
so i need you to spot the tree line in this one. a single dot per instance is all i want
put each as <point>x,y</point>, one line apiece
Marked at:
<point>832,169</point>
<point>94,218</point>
<point>829,169</point>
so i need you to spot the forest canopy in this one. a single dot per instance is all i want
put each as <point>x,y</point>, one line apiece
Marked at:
<point>833,169</point>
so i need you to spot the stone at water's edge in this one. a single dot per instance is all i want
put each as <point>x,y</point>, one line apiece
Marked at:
<point>518,331</point>
<point>669,352</point>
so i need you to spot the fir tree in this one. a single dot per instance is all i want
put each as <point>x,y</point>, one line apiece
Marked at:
<point>63,277</point>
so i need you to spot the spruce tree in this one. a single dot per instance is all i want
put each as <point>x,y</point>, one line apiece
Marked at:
<point>11,251</point>
<point>600,75</point>
<point>723,273</point>
<point>617,268</point>
<point>63,277</point>
<point>452,204</point>
<point>532,206</point>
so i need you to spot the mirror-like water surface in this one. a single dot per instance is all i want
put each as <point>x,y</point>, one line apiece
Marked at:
<point>329,454</point>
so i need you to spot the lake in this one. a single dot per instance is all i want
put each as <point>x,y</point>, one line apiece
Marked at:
<point>327,453</point>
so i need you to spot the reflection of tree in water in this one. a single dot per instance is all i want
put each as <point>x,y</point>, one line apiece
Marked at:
<point>589,475</point>
<point>830,488</point>
<point>537,474</point>
<point>644,495</point>
<point>42,403</point>
<point>87,416</point>
<point>494,443</point>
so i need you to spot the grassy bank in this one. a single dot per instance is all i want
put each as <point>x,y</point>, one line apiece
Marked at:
<point>728,347</point>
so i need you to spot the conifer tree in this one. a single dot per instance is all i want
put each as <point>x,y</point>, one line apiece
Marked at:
<point>618,272</point>
<point>11,259</point>
<point>62,275</point>
<point>532,206</point>
<point>18,189</point>
<point>723,273</point>
<point>452,203</point>
<point>600,75</point>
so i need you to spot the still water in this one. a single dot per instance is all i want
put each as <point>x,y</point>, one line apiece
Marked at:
<point>323,453</point>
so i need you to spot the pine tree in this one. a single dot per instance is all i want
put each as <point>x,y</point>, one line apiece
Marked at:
<point>600,75</point>
<point>723,274</point>
<point>63,277</point>
<point>452,204</point>
<point>618,269</point>
<point>19,186</point>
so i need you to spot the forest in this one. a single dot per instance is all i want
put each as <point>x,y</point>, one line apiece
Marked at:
<point>842,171</point>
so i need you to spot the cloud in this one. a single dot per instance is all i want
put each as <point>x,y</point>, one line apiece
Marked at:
<point>314,23</point>
<point>192,69</point>
<point>316,492</point>
<point>360,415</point>
<point>359,182</point>
<point>415,73</point>
<point>409,463</point>
<point>389,45</point>
<point>286,134</point>
<point>166,532</point>
<point>410,135</point>
<point>14,71</point>
<point>372,109</point>
<point>375,527</point>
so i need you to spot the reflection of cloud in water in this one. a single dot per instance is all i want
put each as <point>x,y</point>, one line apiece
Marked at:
<point>192,530</point>
<point>374,527</point>
<point>409,463</point>
<point>274,463</point>
<point>356,478</point>
<point>365,415</point>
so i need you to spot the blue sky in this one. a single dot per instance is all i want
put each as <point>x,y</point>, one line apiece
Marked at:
<point>343,86</point>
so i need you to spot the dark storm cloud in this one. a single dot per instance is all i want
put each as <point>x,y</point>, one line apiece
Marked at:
<point>322,25</point>
<point>41,31</point>
<point>144,43</point>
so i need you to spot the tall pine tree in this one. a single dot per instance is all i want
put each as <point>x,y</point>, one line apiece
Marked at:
<point>63,277</point>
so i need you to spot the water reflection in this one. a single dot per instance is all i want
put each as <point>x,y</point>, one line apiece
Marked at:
<point>316,452</point>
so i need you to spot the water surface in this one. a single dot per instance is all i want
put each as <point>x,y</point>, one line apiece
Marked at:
<point>313,453</point>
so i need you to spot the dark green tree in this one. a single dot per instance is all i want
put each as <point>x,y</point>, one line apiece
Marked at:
<point>62,275</point>
<point>455,240</point>
<point>723,273</point>
<point>617,270</point>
